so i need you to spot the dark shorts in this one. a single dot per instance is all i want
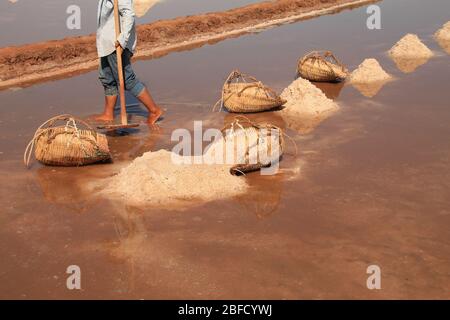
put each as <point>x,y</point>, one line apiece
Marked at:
<point>110,78</point>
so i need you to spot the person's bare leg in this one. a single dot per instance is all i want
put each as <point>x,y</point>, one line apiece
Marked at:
<point>108,113</point>
<point>153,109</point>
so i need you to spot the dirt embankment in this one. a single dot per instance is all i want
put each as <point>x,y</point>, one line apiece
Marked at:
<point>24,65</point>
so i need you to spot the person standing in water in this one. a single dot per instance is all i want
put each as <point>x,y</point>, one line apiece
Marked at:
<point>106,49</point>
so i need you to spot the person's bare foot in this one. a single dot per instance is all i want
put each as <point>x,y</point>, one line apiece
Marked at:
<point>154,116</point>
<point>155,128</point>
<point>103,117</point>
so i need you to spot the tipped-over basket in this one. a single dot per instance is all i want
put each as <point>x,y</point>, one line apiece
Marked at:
<point>67,145</point>
<point>243,93</point>
<point>321,66</point>
<point>247,146</point>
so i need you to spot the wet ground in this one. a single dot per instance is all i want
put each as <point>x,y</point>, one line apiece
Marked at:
<point>27,22</point>
<point>373,183</point>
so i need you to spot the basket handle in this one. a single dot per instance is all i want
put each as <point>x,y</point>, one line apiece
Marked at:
<point>261,86</point>
<point>64,117</point>
<point>251,85</point>
<point>236,74</point>
<point>333,57</point>
<point>321,55</point>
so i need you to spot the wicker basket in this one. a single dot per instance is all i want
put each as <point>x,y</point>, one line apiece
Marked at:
<point>251,146</point>
<point>242,93</point>
<point>67,145</point>
<point>321,66</point>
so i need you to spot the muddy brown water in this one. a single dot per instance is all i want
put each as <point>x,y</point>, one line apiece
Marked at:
<point>372,186</point>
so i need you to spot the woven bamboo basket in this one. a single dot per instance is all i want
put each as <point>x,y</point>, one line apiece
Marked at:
<point>248,146</point>
<point>67,145</point>
<point>244,94</point>
<point>321,66</point>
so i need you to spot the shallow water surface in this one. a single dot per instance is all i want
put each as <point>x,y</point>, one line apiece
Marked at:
<point>30,21</point>
<point>370,185</point>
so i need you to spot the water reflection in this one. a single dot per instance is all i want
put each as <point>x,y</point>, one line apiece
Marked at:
<point>131,231</point>
<point>62,186</point>
<point>263,199</point>
<point>28,21</point>
<point>371,89</point>
<point>331,90</point>
<point>408,65</point>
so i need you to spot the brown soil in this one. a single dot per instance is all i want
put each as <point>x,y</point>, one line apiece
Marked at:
<point>23,65</point>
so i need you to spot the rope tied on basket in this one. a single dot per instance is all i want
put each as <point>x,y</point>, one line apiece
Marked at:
<point>234,75</point>
<point>261,126</point>
<point>254,135</point>
<point>238,122</point>
<point>322,55</point>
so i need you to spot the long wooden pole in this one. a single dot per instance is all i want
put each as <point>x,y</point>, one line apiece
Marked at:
<point>119,51</point>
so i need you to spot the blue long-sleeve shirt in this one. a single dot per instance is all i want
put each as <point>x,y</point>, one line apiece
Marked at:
<point>106,35</point>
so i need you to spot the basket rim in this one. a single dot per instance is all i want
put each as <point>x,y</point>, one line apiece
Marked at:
<point>321,56</point>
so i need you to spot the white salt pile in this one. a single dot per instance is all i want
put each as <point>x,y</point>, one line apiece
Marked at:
<point>410,53</point>
<point>161,178</point>
<point>369,71</point>
<point>442,36</point>
<point>444,32</point>
<point>142,6</point>
<point>306,106</point>
<point>410,47</point>
<point>369,77</point>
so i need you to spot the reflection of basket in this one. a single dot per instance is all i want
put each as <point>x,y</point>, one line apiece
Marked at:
<point>258,201</point>
<point>242,93</point>
<point>249,146</point>
<point>321,66</point>
<point>67,145</point>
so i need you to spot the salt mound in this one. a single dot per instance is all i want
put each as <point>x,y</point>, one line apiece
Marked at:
<point>142,6</point>
<point>442,36</point>
<point>444,32</point>
<point>369,71</point>
<point>155,178</point>
<point>306,106</point>
<point>410,53</point>
<point>410,47</point>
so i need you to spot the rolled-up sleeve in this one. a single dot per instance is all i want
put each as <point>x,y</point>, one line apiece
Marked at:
<point>126,12</point>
